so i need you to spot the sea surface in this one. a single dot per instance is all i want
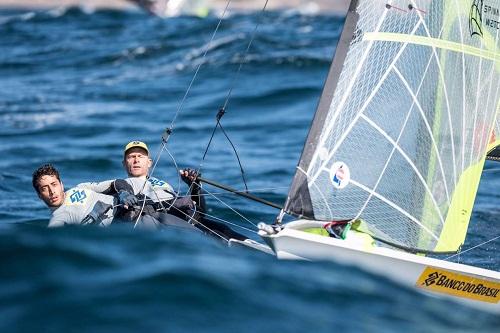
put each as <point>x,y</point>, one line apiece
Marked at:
<point>77,85</point>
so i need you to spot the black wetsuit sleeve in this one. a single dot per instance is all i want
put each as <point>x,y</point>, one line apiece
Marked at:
<point>198,197</point>
<point>122,185</point>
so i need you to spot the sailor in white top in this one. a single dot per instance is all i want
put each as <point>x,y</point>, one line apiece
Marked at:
<point>76,206</point>
<point>137,163</point>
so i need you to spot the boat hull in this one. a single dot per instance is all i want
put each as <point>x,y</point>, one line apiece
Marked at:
<point>474,286</point>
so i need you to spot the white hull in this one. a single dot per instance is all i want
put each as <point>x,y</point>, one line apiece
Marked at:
<point>441,278</point>
<point>248,243</point>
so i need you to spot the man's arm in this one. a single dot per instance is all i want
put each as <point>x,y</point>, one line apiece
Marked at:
<point>105,187</point>
<point>59,219</point>
<point>190,177</point>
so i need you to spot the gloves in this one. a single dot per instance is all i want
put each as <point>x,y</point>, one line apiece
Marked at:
<point>189,175</point>
<point>127,199</point>
<point>97,214</point>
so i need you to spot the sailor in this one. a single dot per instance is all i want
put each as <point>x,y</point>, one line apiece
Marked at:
<point>160,196</point>
<point>76,206</point>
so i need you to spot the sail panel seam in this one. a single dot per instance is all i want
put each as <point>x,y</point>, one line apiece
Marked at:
<point>393,205</point>
<point>410,162</point>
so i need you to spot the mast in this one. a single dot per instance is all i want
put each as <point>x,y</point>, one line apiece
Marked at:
<point>299,201</point>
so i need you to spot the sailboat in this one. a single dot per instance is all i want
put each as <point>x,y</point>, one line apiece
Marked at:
<point>393,159</point>
<point>169,8</point>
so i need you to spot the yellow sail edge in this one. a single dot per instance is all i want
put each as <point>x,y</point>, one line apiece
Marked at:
<point>457,221</point>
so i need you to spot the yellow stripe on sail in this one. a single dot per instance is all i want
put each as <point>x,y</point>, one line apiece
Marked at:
<point>457,221</point>
<point>433,42</point>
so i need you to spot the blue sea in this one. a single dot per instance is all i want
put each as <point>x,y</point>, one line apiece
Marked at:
<point>77,85</point>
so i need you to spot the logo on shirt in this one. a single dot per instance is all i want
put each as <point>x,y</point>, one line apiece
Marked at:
<point>156,182</point>
<point>78,196</point>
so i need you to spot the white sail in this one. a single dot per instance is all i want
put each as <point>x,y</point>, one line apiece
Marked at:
<point>400,137</point>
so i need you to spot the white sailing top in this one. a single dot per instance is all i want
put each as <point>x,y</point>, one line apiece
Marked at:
<point>154,188</point>
<point>78,204</point>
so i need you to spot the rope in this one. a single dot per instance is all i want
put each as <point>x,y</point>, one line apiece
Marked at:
<point>218,124</point>
<point>264,189</point>
<point>199,65</point>
<point>233,210</point>
<point>491,170</point>
<point>228,97</point>
<point>472,248</point>
<point>237,156</point>
<point>222,111</point>
<point>191,218</point>
<point>244,56</point>
<point>169,130</point>
<point>230,223</point>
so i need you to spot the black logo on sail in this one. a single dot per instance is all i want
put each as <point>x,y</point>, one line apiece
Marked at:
<point>476,18</point>
<point>431,279</point>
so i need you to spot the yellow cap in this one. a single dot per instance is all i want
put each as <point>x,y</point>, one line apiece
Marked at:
<point>136,144</point>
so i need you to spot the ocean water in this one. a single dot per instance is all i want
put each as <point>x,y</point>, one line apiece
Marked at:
<point>76,86</point>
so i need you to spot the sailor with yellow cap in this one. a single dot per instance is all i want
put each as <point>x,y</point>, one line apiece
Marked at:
<point>160,195</point>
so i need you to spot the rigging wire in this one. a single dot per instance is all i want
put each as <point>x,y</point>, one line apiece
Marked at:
<point>222,110</point>
<point>263,189</point>
<point>198,223</point>
<point>218,124</point>
<point>233,210</point>
<point>179,108</point>
<point>237,156</point>
<point>236,76</point>
<point>472,248</point>
<point>228,222</point>
<point>491,170</point>
<point>169,130</point>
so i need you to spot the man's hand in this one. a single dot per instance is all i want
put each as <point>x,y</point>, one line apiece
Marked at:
<point>127,200</point>
<point>189,175</point>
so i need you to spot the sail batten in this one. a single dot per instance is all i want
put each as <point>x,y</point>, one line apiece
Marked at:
<point>399,141</point>
<point>432,42</point>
